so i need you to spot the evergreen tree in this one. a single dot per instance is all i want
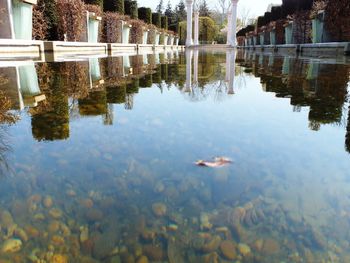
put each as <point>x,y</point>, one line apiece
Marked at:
<point>180,11</point>
<point>160,7</point>
<point>203,8</point>
<point>169,13</point>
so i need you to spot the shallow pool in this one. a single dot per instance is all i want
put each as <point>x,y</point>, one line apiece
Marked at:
<point>98,159</point>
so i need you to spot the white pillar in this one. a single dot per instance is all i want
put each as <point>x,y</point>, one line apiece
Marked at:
<point>196,27</point>
<point>189,6</point>
<point>188,70</point>
<point>229,29</point>
<point>234,22</point>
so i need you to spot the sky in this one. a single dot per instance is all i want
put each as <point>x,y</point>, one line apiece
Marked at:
<point>255,7</point>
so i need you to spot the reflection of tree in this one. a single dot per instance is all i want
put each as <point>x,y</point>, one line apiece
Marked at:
<point>6,118</point>
<point>116,95</point>
<point>51,121</point>
<point>4,149</point>
<point>306,84</point>
<point>94,104</point>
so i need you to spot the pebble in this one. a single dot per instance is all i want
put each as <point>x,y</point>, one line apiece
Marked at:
<point>212,245</point>
<point>55,213</point>
<point>244,249</point>
<point>154,253</point>
<point>270,247</point>
<point>159,209</point>
<point>142,259</point>
<point>228,249</point>
<point>84,233</point>
<point>11,245</point>
<point>48,202</point>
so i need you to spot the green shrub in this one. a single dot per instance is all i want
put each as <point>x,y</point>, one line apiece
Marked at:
<point>165,22</point>
<point>131,9</point>
<point>94,2</point>
<point>51,17</point>
<point>114,6</point>
<point>145,14</point>
<point>156,19</point>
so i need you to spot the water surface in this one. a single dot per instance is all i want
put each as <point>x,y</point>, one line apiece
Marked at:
<point>100,165</point>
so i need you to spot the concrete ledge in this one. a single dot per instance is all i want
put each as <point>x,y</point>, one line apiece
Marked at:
<point>145,47</point>
<point>319,49</point>
<point>79,48</point>
<point>21,48</point>
<point>336,48</point>
<point>121,48</point>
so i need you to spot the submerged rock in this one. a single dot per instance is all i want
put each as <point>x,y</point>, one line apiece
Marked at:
<point>212,244</point>
<point>154,253</point>
<point>11,245</point>
<point>159,209</point>
<point>228,249</point>
<point>270,247</point>
<point>244,249</point>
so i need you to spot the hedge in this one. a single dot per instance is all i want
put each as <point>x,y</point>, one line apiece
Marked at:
<point>131,9</point>
<point>94,2</point>
<point>114,6</point>
<point>157,19</point>
<point>145,14</point>
<point>164,22</point>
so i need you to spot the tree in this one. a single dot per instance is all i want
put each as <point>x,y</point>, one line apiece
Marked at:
<point>169,10</point>
<point>160,7</point>
<point>222,8</point>
<point>180,11</point>
<point>203,8</point>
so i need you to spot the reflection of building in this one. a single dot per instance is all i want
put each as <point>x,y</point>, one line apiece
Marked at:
<point>20,84</point>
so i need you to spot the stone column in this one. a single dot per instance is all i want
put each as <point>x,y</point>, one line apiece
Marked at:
<point>196,27</point>
<point>234,22</point>
<point>188,70</point>
<point>189,6</point>
<point>229,29</point>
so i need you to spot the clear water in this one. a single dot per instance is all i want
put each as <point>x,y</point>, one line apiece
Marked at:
<point>102,168</point>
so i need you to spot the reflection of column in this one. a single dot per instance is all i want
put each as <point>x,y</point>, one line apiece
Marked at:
<point>188,70</point>
<point>229,29</point>
<point>196,27</point>
<point>347,138</point>
<point>230,70</point>
<point>234,22</point>
<point>29,86</point>
<point>189,6</point>
<point>286,65</point>
<point>95,73</point>
<point>195,66</point>
<point>126,64</point>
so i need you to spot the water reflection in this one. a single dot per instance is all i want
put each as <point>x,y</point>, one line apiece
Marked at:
<point>110,174</point>
<point>306,83</point>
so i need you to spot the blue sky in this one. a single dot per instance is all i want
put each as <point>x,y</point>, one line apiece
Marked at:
<point>255,7</point>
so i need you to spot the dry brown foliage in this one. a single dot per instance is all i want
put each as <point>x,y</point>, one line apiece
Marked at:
<point>112,27</point>
<point>72,19</point>
<point>302,28</point>
<point>337,16</point>
<point>317,7</point>
<point>136,32</point>
<point>40,26</point>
